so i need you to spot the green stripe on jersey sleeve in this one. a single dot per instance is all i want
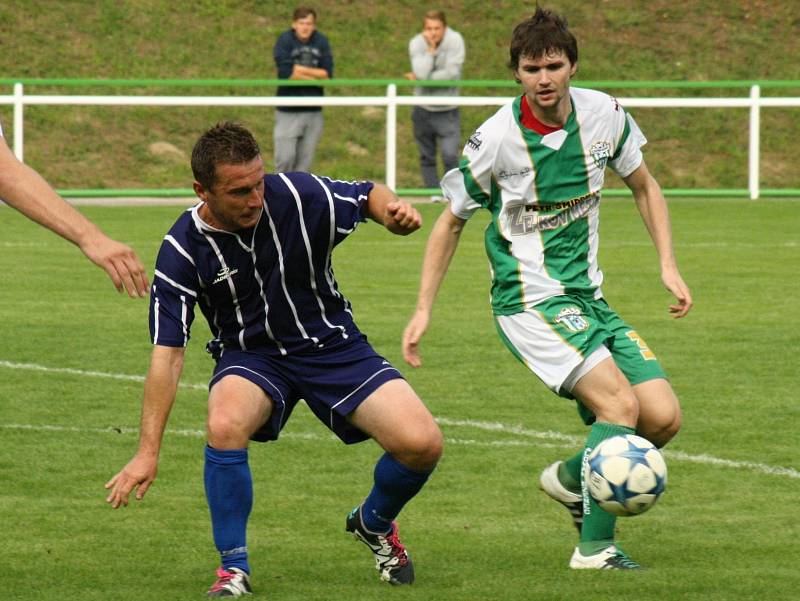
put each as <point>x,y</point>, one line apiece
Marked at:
<point>471,184</point>
<point>626,131</point>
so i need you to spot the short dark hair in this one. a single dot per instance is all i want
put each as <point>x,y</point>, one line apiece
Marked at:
<point>541,34</point>
<point>226,143</point>
<point>301,12</point>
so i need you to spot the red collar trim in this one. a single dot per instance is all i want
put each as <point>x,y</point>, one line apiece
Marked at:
<point>529,120</point>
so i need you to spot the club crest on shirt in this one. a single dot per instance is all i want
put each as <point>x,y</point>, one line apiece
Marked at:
<point>572,319</point>
<point>224,274</point>
<point>601,152</point>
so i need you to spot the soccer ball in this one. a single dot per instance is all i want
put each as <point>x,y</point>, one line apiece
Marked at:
<point>626,475</point>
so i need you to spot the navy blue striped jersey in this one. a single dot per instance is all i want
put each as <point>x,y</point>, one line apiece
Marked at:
<point>270,286</point>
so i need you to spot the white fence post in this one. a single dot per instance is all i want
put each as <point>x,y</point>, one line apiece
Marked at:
<point>391,136</point>
<point>18,138</point>
<point>755,140</point>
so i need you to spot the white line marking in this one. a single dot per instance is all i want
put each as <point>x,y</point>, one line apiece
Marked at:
<point>507,429</point>
<point>556,439</point>
<point>573,441</point>
<point>291,435</point>
<point>92,374</point>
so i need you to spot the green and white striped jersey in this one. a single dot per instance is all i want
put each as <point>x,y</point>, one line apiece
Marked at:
<point>543,193</point>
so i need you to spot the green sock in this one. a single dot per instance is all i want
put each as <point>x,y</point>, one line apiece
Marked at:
<point>597,532</point>
<point>569,472</point>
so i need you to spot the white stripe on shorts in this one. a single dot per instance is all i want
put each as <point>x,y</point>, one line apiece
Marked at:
<point>554,361</point>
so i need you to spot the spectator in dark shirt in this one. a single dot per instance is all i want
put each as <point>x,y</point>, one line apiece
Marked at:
<point>302,52</point>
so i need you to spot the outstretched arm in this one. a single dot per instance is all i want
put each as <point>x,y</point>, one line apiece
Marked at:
<point>396,215</point>
<point>653,208</point>
<point>166,364</point>
<point>439,252</point>
<point>28,192</point>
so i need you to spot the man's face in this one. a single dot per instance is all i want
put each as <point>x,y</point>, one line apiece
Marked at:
<point>433,31</point>
<point>235,201</point>
<point>545,80</point>
<point>304,28</point>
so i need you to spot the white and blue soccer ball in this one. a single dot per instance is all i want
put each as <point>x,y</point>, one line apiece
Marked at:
<point>626,474</point>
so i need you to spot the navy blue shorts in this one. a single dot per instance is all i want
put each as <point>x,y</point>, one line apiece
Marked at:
<point>332,383</point>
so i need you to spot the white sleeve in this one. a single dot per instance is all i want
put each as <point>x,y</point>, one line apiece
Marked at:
<point>468,186</point>
<point>628,154</point>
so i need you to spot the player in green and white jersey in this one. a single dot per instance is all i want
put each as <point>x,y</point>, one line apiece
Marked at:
<point>537,165</point>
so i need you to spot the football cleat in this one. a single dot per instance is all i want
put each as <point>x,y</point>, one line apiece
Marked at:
<point>391,559</point>
<point>553,488</point>
<point>610,558</point>
<point>232,582</point>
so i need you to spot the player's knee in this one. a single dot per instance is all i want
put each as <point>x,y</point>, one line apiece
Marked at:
<point>661,428</point>
<point>618,406</point>
<point>226,431</point>
<point>434,447</point>
<point>667,430</point>
<point>421,448</point>
<point>606,392</point>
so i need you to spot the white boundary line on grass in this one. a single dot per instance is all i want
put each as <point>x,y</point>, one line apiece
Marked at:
<point>290,435</point>
<point>547,438</point>
<point>93,374</point>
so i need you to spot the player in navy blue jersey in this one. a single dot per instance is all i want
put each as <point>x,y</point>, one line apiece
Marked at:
<point>255,256</point>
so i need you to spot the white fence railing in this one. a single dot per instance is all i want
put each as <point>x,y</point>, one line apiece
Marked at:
<point>391,101</point>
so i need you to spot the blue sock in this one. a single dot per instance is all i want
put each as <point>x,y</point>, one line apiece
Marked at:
<point>229,491</point>
<point>395,485</point>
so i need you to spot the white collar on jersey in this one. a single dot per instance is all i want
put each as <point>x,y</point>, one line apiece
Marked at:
<point>204,227</point>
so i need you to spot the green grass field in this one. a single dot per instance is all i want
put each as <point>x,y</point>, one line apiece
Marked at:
<point>69,404</point>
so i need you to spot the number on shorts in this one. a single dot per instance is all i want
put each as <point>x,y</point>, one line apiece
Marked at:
<point>647,354</point>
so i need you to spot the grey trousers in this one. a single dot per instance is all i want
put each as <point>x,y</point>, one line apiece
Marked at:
<point>431,127</point>
<point>295,136</point>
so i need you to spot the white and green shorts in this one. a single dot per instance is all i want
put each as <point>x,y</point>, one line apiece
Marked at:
<point>562,338</point>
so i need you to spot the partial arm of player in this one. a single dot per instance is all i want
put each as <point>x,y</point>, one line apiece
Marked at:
<point>161,384</point>
<point>396,215</point>
<point>653,208</point>
<point>24,189</point>
<point>439,251</point>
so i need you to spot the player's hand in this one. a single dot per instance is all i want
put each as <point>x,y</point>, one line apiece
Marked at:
<point>119,262</point>
<point>139,473</point>
<point>412,335</point>
<point>410,76</point>
<point>402,218</point>
<point>675,284</point>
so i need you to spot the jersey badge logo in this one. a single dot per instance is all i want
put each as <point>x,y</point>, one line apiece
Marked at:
<point>601,152</point>
<point>224,274</point>
<point>475,140</point>
<point>572,319</point>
